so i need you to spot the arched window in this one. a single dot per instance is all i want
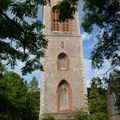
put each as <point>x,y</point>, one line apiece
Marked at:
<point>64,95</point>
<point>65,26</point>
<point>55,21</point>
<point>55,24</point>
<point>62,62</point>
<point>114,108</point>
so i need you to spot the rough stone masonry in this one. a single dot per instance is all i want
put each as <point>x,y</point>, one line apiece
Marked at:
<point>62,90</point>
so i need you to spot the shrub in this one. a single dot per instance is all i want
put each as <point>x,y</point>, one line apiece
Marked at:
<point>80,115</point>
<point>48,117</point>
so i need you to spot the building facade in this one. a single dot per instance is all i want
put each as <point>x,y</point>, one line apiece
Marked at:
<point>63,86</point>
<point>113,111</point>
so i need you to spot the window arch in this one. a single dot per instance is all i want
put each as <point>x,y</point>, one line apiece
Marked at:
<point>64,96</point>
<point>65,26</point>
<point>113,109</point>
<point>54,20</point>
<point>62,61</point>
<point>56,25</point>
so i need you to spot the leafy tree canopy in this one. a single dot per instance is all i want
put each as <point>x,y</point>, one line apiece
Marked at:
<point>33,85</point>
<point>12,96</point>
<point>21,37</point>
<point>67,9</point>
<point>97,100</point>
<point>20,34</point>
<point>17,102</point>
<point>106,15</point>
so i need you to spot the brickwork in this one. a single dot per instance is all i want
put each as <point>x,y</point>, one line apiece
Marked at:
<point>69,43</point>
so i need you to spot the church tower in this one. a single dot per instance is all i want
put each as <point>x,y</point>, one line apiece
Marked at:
<point>63,87</point>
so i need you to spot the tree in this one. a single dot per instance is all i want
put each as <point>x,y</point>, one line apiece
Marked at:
<point>21,37</point>
<point>17,102</point>
<point>106,15</point>
<point>33,85</point>
<point>33,100</point>
<point>97,101</point>
<point>13,92</point>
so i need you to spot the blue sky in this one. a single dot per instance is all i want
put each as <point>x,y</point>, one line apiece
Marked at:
<point>89,41</point>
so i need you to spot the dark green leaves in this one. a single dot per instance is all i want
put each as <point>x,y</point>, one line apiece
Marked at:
<point>67,9</point>
<point>21,38</point>
<point>80,115</point>
<point>4,4</point>
<point>97,100</point>
<point>104,14</point>
<point>18,100</point>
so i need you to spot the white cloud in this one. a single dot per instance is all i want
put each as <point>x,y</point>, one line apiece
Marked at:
<point>90,73</point>
<point>86,36</point>
<point>87,67</point>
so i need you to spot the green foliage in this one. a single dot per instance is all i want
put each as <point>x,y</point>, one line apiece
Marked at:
<point>21,34</point>
<point>97,100</point>
<point>99,116</point>
<point>12,92</point>
<point>67,9</point>
<point>16,101</point>
<point>104,14</point>
<point>48,117</point>
<point>33,100</point>
<point>33,85</point>
<point>32,105</point>
<point>80,115</point>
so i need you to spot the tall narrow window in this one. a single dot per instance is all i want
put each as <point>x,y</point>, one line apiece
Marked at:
<point>64,101</point>
<point>55,21</point>
<point>113,101</point>
<point>65,26</point>
<point>63,95</point>
<point>55,24</point>
<point>62,62</point>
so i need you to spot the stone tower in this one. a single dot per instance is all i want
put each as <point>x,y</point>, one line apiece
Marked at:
<point>63,86</point>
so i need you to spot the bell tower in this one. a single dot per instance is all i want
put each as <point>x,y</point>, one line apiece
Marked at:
<point>63,86</point>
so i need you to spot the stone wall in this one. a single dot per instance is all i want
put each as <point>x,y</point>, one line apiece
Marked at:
<point>74,75</point>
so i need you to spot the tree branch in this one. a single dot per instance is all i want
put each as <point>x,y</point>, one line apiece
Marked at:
<point>12,21</point>
<point>109,69</point>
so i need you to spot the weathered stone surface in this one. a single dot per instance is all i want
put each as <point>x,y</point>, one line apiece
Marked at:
<point>74,75</point>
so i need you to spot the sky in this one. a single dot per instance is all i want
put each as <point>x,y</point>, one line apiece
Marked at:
<point>89,41</point>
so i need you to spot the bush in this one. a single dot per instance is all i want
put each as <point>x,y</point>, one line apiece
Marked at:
<point>48,117</point>
<point>80,115</point>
